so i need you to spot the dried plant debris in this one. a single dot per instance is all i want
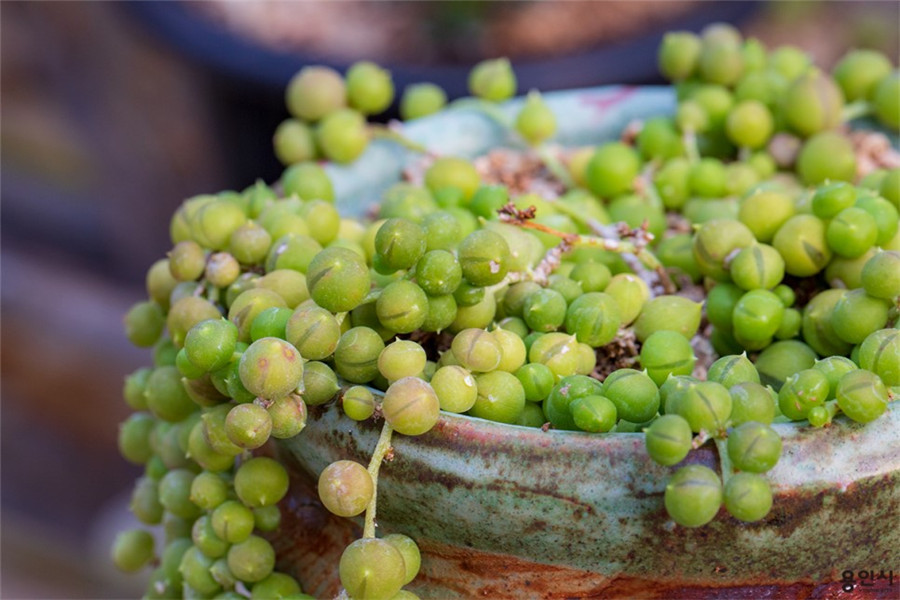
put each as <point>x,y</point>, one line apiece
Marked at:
<point>873,152</point>
<point>704,352</point>
<point>621,353</point>
<point>521,172</point>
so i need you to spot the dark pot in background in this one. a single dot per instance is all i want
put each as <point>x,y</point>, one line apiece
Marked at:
<point>249,77</point>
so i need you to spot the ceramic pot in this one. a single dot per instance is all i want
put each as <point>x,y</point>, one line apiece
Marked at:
<point>502,511</point>
<point>254,69</point>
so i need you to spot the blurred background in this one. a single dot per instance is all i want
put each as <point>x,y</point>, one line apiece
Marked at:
<point>113,113</point>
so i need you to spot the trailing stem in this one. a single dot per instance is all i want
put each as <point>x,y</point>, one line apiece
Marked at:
<point>381,448</point>
<point>855,110</point>
<point>611,239</point>
<point>488,109</point>
<point>724,459</point>
<point>555,166</point>
<point>381,132</point>
<point>689,140</point>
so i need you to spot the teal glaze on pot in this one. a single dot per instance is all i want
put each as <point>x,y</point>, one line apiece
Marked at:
<point>593,504</point>
<point>584,117</point>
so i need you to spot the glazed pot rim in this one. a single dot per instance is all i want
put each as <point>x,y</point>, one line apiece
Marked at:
<point>457,422</point>
<point>811,456</point>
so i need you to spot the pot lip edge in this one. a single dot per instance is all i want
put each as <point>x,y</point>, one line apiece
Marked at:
<point>462,425</point>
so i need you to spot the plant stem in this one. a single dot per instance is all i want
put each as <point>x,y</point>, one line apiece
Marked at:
<point>612,245</point>
<point>609,241</point>
<point>646,187</point>
<point>700,439</point>
<point>576,239</point>
<point>241,588</point>
<point>690,146</point>
<point>372,296</point>
<point>724,459</point>
<point>855,110</point>
<point>509,279</point>
<point>380,132</point>
<point>833,409</point>
<point>555,166</point>
<point>381,448</point>
<point>488,109</point>
<point>574,214</point>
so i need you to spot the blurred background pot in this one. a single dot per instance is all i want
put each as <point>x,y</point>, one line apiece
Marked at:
<point>249,50</point>
<point>554,44</point>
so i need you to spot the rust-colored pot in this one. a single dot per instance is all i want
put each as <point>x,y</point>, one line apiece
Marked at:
<point>501,511</point>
